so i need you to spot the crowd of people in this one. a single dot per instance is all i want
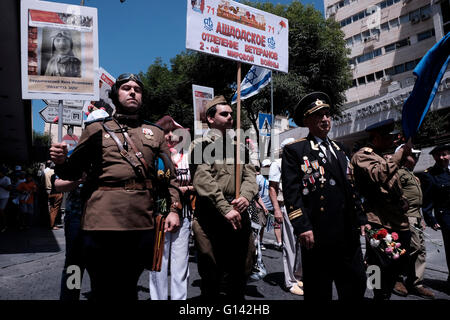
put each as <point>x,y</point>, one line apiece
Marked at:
<point>318,198</point>
<point>23,198</point>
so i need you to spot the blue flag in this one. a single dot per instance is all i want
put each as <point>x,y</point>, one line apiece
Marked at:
<point>429,73</point>
<point>256,79</point>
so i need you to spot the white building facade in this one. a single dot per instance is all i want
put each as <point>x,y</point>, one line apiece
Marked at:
<point>386,38</point>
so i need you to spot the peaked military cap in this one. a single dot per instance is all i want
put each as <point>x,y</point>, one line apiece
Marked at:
<point>383,127</point>
<point>217,100</point>
<point>309,104</point>
<point>440,148</point>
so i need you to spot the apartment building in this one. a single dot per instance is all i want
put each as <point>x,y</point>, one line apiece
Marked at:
<point>386,39</point>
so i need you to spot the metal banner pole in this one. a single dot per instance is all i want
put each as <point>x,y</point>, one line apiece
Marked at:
<point>60,119</point>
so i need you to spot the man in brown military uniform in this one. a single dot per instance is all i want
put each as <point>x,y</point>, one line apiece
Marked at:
<point>378,182</point>
<point>222,224</point>
<point>118,155</point>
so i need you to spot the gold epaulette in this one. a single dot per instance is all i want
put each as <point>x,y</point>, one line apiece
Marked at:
<point>298,140</point>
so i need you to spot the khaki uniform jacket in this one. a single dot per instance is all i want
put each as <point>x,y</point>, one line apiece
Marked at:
<point>98,155</point>
<point>378,182</point>
<point>411,191</point>
<point>214,178</point>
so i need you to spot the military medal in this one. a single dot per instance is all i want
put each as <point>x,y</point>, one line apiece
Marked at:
<point>304,168</point>
<point>321,155</point>
<point>316,174</point>
<point>312,180</point>
<point>315,164</point>
<point>305,158</point>
<point>309,170</point>
<point>322,172</point>
<point>306,162</point>
<point>305,191</point>
<point>323,160</point>
<point>332,182</point>
<point>147,131</point>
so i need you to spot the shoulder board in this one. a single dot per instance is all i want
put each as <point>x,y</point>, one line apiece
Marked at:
<point>86,123</point>
<point>152,124</point>
<point>298,140</point>
<point>368,150</point>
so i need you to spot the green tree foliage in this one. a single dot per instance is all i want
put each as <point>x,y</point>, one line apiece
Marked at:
<point>317,62</point>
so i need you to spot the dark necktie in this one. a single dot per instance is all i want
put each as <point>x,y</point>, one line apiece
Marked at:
<point>328,148</point>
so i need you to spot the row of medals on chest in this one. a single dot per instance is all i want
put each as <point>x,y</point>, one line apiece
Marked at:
<point>313,170</point>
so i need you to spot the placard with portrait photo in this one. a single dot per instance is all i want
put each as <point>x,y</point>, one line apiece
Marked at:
<point>59,51</point>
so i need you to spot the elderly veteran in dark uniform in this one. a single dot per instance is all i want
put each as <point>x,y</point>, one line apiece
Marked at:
<point>221,222</point>
<point>436,196</point>
<point>378,182</point>
<point>118,155</point>
<point>321,207</point>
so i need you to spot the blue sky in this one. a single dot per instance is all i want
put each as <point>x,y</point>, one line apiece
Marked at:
<point>134,33</point>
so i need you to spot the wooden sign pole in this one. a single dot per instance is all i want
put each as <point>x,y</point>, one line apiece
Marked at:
<point>238,133</point>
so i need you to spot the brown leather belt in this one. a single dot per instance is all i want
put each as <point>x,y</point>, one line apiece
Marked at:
<point>130,184</point>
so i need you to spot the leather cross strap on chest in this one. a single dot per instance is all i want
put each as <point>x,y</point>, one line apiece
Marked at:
<point>134,163</point>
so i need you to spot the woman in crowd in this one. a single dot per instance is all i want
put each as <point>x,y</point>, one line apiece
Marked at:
<point>176,246</point>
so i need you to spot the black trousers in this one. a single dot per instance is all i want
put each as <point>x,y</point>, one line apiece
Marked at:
<point>115,261</point>
<point>327,264</point>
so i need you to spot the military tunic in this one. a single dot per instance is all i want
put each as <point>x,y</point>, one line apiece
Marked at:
<point>319,198</point>
<point>126,205</point>
<point>378,182</point>
<point>221,249</point>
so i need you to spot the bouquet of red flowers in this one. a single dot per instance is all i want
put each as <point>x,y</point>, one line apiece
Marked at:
<point>386,242</point>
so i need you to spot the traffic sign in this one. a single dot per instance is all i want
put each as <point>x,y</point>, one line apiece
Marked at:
<point>265,124</point>
<point>77,104</point>
<point>70,115</point>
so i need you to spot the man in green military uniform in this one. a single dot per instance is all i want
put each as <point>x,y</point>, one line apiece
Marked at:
<point>413,193</point>
<point>378,183</point>
<point>221,225</point>
<point>118,155</point>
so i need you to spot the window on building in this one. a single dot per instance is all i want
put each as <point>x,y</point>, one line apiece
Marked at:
<point>370,77</point>
<point>402,43</point>
<point>389,2</point>
<point>404,19</point>
<point>355,17</point>
<point>389,71</point>
<point>389,47</point>
<point>414,15</point>
<point>366,34</point>
<point>357,38</point>
<point>383,4</point>
<point>385,27</point>
<point>399,68</point>
<point>362,14</point>
<point>353,83</point>
<point>409,66</point>
<point>425,11</point>
<point>375,32</point>
<point>377,52</point>
<point>393,23</point>
<point>379,74</point>
<point>361,80</point>
<point>425,35</point>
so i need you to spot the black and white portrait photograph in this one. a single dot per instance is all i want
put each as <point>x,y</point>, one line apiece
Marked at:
<point>60,53</point>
